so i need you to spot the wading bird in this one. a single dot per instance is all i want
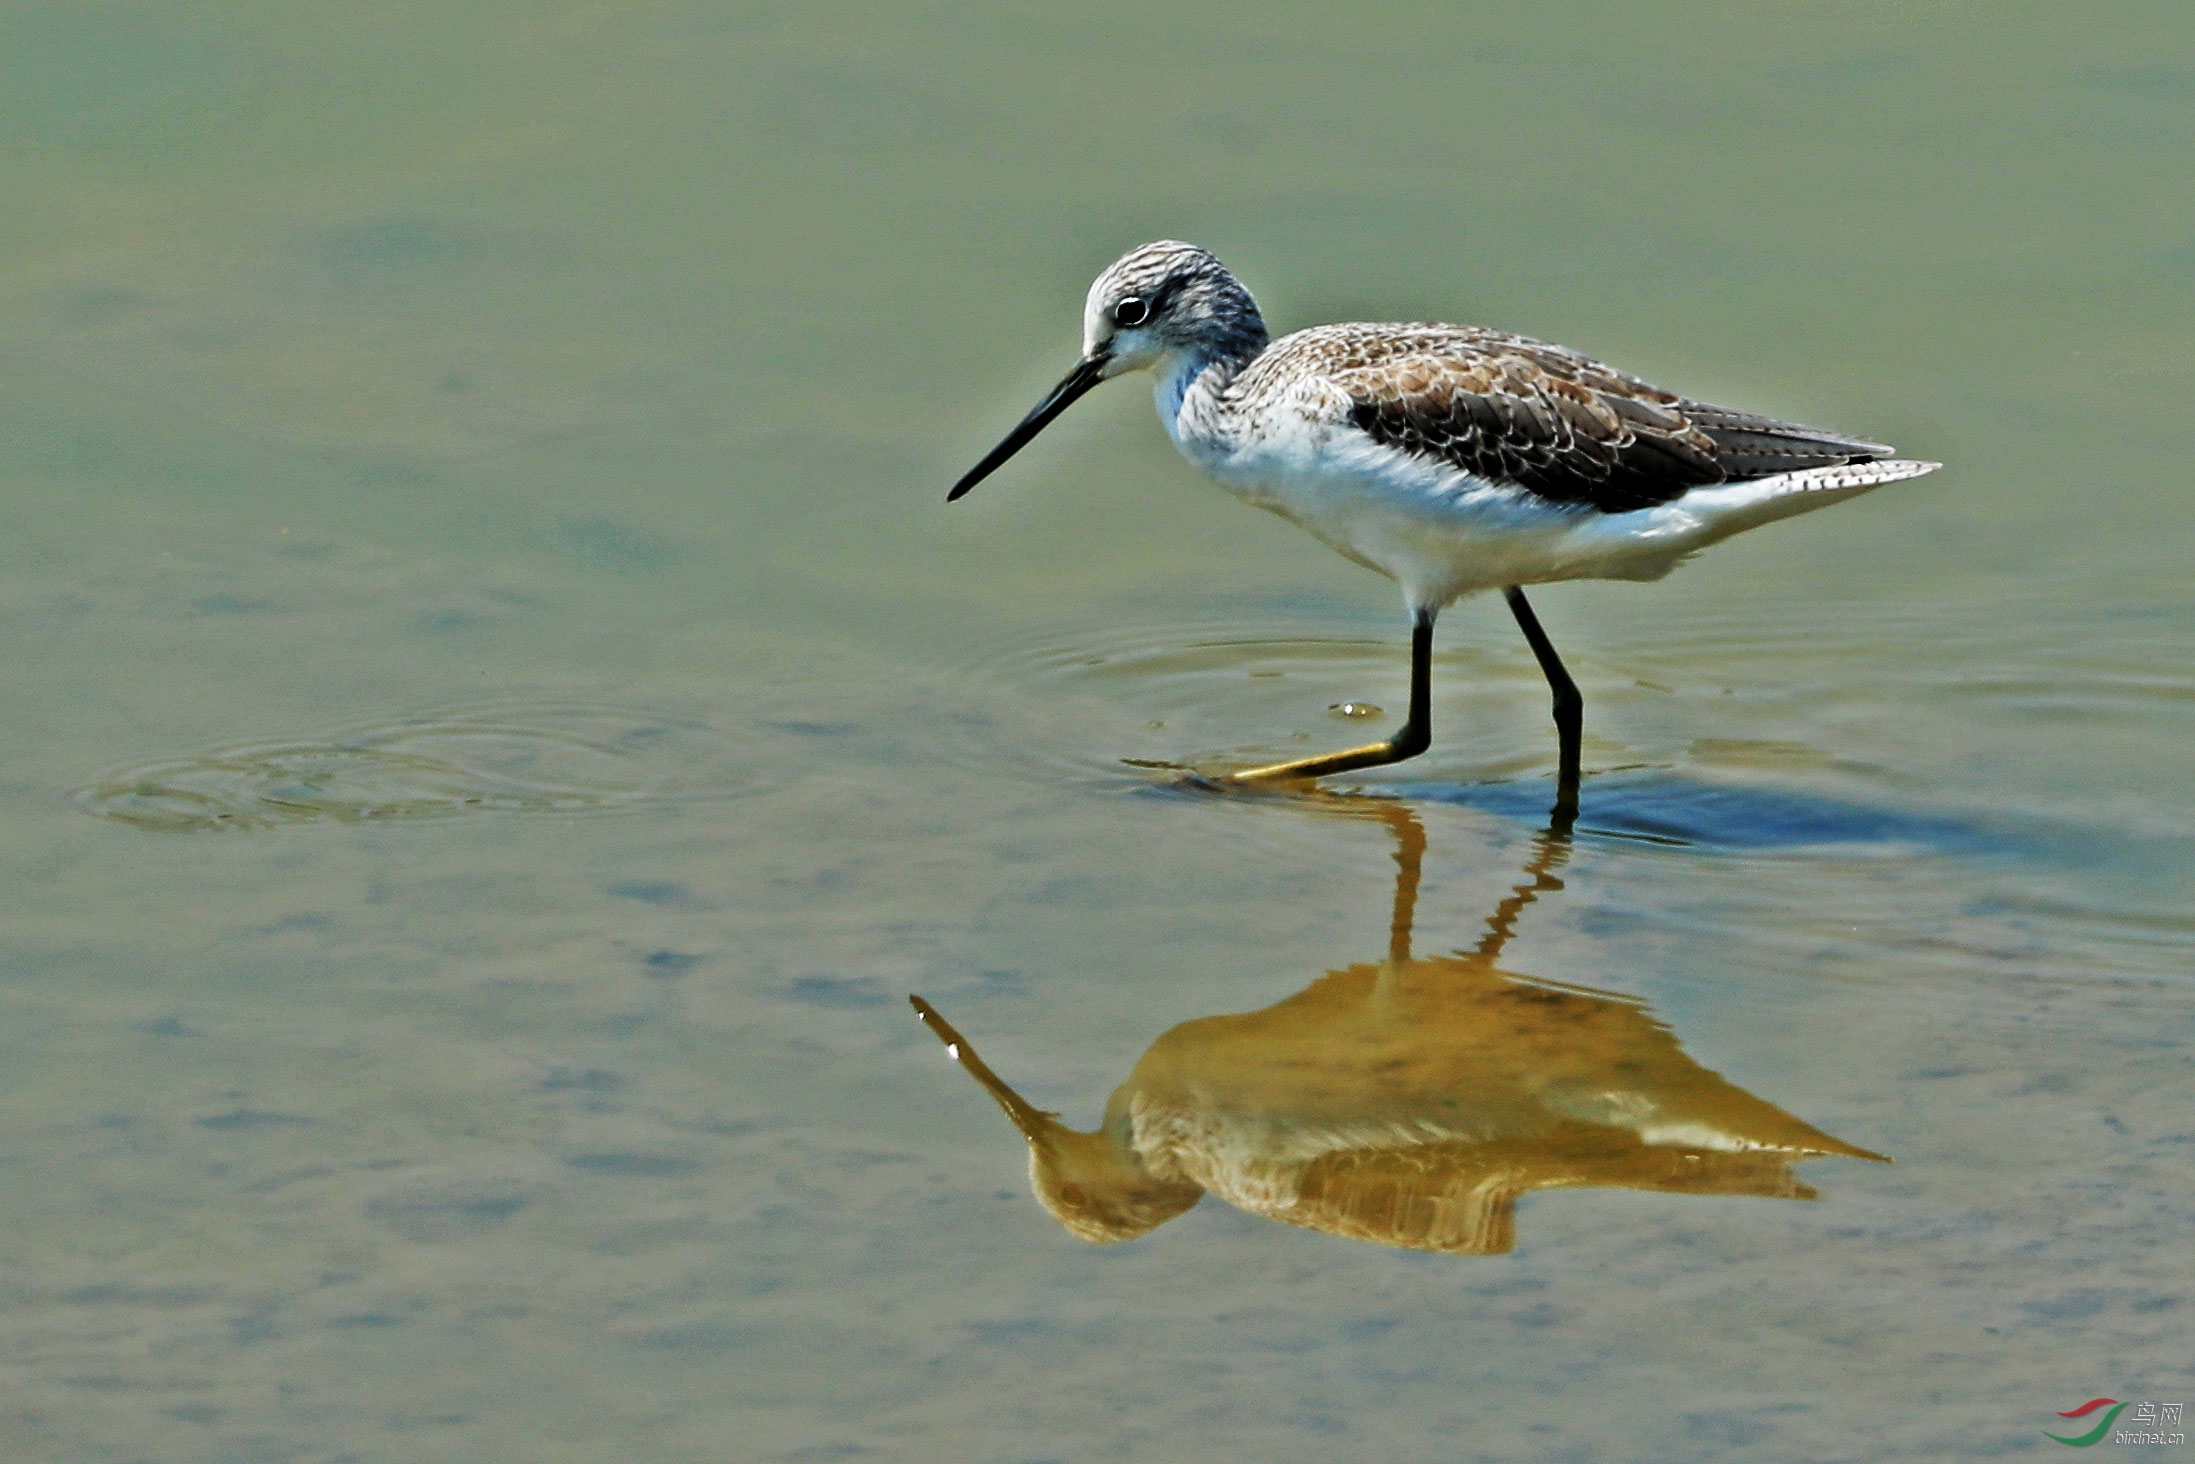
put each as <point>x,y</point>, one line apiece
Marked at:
<point>1450,458</point>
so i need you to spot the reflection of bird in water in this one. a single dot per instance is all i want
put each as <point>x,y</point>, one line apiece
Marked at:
<point>1408,1101</point>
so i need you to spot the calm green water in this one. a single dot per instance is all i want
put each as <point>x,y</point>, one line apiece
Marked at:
<point>500,716</point>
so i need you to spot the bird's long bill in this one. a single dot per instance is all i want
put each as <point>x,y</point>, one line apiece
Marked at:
<point>1088,372</point>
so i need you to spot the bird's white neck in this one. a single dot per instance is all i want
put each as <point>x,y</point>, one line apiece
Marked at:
<point>1187,394</point>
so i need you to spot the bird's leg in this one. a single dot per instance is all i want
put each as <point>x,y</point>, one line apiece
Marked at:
<point>1569,708</point>
<point>1412,738</point>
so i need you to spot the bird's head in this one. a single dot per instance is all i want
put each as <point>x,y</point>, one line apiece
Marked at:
<point>1160,300</point>
<point>1165,297</point>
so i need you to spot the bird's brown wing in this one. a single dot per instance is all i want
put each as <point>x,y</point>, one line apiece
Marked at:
<point>1557,424</point>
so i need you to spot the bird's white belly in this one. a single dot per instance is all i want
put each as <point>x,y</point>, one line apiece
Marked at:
<point>1437,531</point>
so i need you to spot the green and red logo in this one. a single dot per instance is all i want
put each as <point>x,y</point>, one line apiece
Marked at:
<point>2096,1434</point>
<point>2149,1423</point>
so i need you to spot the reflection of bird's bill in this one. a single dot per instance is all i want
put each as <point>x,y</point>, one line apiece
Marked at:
<point>1033,1122</point>
<point>1088,372</point>
<point>1094,1185</point>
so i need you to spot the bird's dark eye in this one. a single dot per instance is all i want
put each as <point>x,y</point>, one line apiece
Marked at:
<point>1132,311</point>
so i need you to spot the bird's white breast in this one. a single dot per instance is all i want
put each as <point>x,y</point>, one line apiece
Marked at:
<point>1435,529</point>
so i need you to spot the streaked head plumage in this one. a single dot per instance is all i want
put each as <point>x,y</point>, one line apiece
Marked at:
<point>1160,300</point>
<point>1167,296</point>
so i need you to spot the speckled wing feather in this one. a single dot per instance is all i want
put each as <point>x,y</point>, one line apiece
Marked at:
<point>1558,424</point>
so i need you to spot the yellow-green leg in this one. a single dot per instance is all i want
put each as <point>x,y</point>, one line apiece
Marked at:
<point>1414,736</point>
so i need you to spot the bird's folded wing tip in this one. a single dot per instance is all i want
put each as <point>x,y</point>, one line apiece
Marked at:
<point>1890,470</point>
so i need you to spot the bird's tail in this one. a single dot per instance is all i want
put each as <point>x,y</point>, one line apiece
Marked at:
<point>1731,508</point>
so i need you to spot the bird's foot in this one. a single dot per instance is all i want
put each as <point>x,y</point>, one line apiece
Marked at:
<point>1303,769</point>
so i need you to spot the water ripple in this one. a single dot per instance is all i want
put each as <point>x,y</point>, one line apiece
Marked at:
<point>1101,702</point>
<point>501,758</point>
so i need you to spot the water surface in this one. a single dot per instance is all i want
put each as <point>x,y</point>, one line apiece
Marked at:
<point>502,717</point>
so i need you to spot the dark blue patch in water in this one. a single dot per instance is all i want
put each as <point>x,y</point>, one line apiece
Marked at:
<point>250,1118</point>
<point>625,1165</point>
<point>602,543</point>
<point>1658,806</point>
<point>229,605</point>
<point>382,250</point>
<point>1661,807</point>
<point>651,891</point>
<point>800,728</point>
<point>586,1080</point>
<point>1669,808</point>
<point>838,993</point>
<point>699,1337</point>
